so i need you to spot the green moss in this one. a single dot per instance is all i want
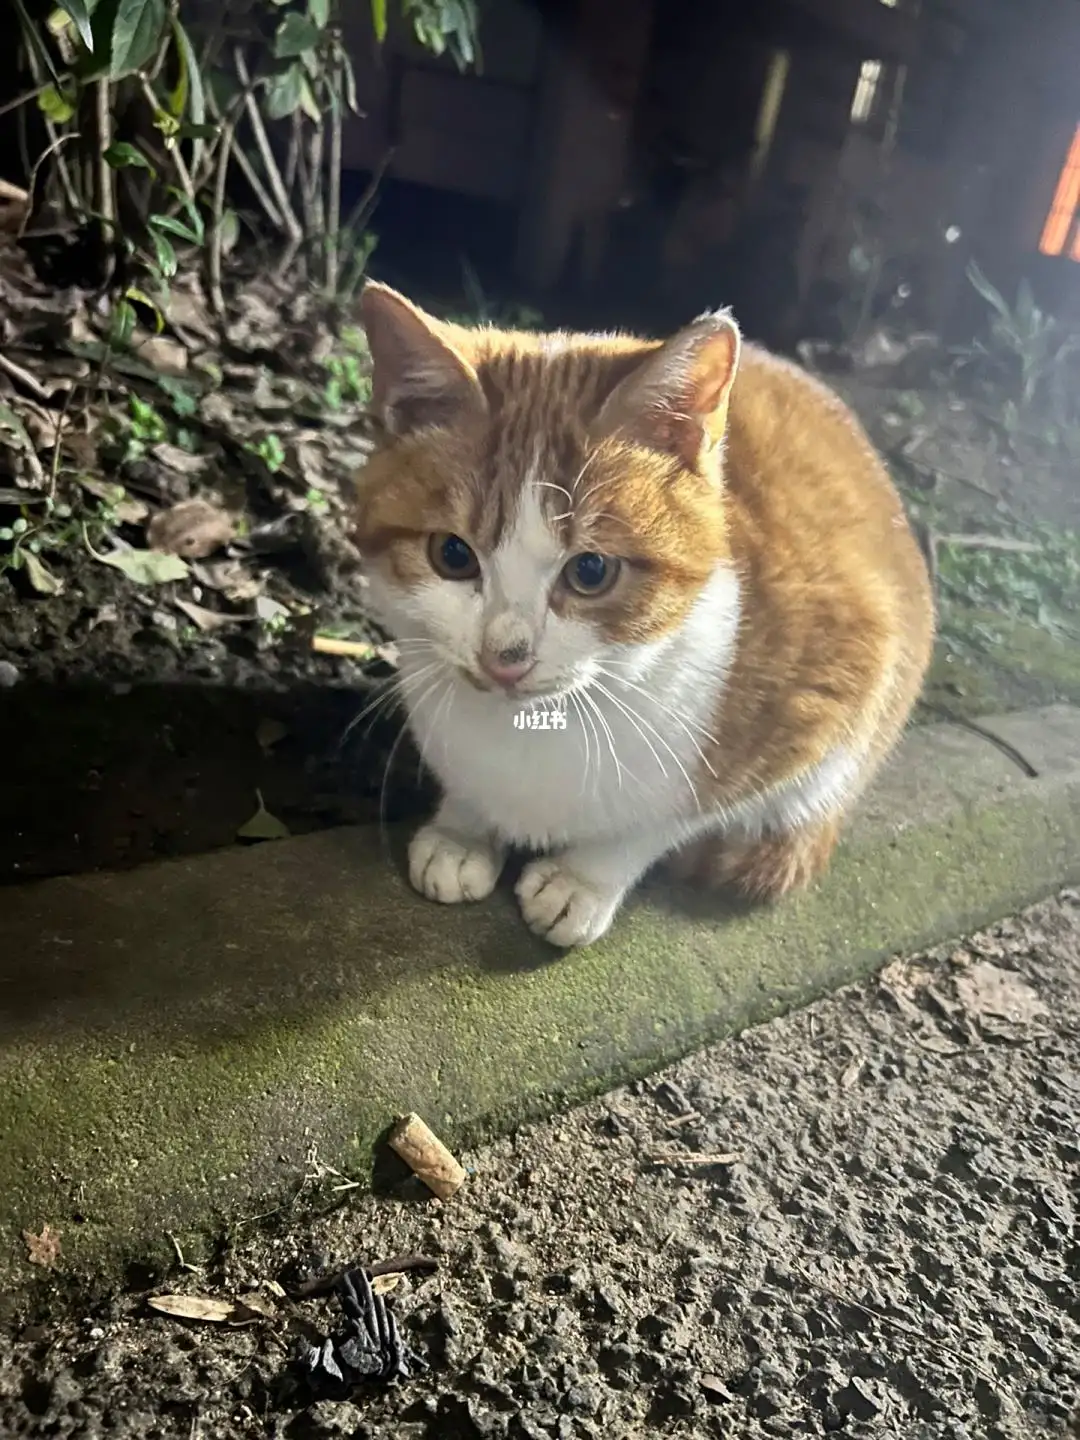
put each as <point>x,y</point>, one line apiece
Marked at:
<point>245,1007</point>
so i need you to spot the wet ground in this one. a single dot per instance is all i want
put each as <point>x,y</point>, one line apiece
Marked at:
<point>860,1221</point>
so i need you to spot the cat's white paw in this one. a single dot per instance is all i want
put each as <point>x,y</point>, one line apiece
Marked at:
<point>562,907</point>
<point>444,869</point>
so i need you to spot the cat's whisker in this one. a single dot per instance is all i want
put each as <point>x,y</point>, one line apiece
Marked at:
<point>393,752</point>
<point>634,721</point>
<point>587,718</point>
<point>681,717</point>
<point>395,689</point>
<point>619,766</point>
<point>677,716</point>
<point>634,716</point>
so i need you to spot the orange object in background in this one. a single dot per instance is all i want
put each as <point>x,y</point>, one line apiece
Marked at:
<point>1064,205</point>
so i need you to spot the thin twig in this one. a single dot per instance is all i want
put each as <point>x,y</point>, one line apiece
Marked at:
<point>54,464</point>
<point>273,174</point>
<point>333,218</point>
<point>25,379</point>
<point>353,649</point>
<point>174,154</point>
<point>106,174</point>
<point>22,99</point>
<point>217,233</point>
<point>395,1266</point>
<point>251,175</point>
<point>53,147</point>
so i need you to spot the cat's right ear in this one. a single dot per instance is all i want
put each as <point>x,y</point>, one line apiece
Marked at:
<point>418,379</point>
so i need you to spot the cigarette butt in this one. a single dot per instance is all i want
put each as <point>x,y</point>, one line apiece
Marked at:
<point>354,649</point>
<point>426,1156</point>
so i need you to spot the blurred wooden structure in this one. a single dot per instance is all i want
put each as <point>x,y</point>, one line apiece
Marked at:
<point>683,150</point>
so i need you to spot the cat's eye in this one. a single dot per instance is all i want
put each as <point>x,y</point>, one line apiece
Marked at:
<point>590,573</point>
<point>453,558</point>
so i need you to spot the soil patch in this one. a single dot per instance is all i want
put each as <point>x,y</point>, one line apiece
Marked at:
<point>859,1220</point>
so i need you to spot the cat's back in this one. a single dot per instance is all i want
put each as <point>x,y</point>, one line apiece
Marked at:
<point>806,484</point>
<point>838,614</point>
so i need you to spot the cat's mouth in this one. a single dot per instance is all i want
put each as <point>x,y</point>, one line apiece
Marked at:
<point>525,689</point>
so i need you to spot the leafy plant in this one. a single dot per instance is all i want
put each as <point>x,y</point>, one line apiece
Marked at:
<point>1029,345</point>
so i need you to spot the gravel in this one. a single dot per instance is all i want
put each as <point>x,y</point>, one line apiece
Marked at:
<point>893,1251</point>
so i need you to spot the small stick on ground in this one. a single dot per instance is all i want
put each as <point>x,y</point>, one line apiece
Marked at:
<point>25,379</point>
<point>427,1157</point>
<point>396,1265</point>
<point>692,1159</point>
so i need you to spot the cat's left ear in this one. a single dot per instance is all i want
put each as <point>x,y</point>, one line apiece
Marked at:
<point>676,400</point>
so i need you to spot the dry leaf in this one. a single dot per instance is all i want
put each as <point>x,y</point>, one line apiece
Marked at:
<point>383,1284</point>
<point>193,1307</point>
<point>125,507</point>
<point>183,462</point>
<point>206,619</point>
<point>231,578</point>
<point>163,354</point>
<point>263,825</point>
<point>40,576</point>
<point>43,1249</point>
<point>146,567</point>
<point>986,989</point>
<point>193,529</point>
<point>269,733</point>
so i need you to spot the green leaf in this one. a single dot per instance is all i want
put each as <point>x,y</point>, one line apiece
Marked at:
<point>147,567</point>
<point>164,254</point>
<point>184,398</point>
<point>296,35</point>
<point>122,325</point>
<point>263,825</point>
<point>175,227</point>
<point>120,155</point>
<point>198,132</point>
<point>140,297</point>
<point>178,95</point>
<point>308,103</point>
<point>40,577</point>
<point>319,11</point>
<point>378,19</point>
<point>80,18</point>
<point>284,93</point>
<point>136,35</point>
<point>56,105</point>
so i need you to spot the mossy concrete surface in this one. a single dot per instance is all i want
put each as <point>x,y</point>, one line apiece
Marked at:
<point>177,1041</point>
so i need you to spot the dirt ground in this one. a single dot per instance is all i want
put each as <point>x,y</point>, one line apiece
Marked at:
<point>860,1221</point>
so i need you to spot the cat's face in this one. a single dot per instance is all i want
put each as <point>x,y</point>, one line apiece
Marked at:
<point>542,511</point>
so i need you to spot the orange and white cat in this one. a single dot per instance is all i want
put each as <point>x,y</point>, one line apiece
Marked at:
<point>688,550</point>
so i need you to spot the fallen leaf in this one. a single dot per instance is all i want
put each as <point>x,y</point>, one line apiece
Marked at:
<point>269,733</point>
<point>183,462</point>
<point>257,1307</point>
<point>206,619</point>
<point>986,989</point>
<point>267,609</point>
<point>852,1072</point>
<point>40,576</point>
<point>43,1249</point>
<point>147,567</point>
<point>125,507</point>
<point>231,578</point>
<point>383,1284</point>
<point>165,355</point>
<point>211,1310</point>
<point>194,529</point>
<point>263,825</point>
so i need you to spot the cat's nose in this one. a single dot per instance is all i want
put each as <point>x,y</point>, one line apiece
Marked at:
<point>507,667</point>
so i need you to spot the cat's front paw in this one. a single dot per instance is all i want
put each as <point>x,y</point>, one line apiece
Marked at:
<point>562,907</point>
<point>448,870</point>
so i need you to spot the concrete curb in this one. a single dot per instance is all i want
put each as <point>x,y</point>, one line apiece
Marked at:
<point>174,1039</point>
